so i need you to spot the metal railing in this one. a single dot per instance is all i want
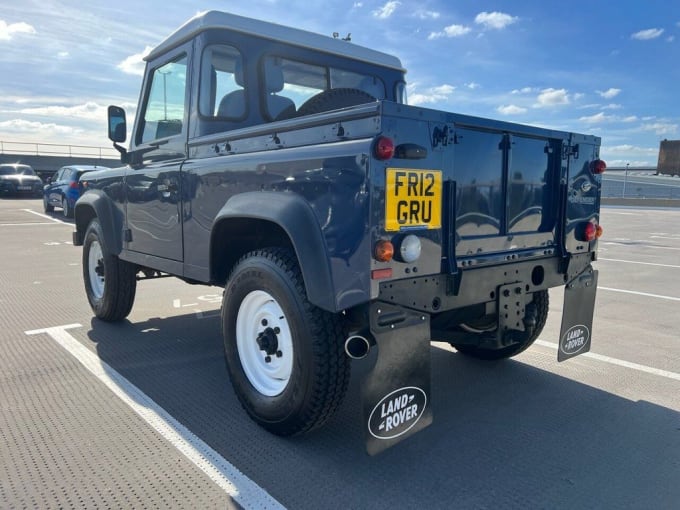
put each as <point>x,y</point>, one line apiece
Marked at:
<point>53,149</point>
<point>640,184</point>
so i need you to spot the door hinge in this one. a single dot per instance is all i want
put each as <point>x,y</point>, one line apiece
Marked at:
<point>570,150</point>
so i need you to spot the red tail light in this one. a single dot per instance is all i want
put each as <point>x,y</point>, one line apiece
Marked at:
<point>591,231</point>
<point>384,148</point>
<point>598,166</point>
<point>73,185</point>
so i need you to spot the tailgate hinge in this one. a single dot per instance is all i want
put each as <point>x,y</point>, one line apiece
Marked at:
<point>570,150</point>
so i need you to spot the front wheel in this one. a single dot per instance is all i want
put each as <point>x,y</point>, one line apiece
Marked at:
<point>66,209</point>
<point>284,355</point>
<point>46,205</point>
<point>110,283</point>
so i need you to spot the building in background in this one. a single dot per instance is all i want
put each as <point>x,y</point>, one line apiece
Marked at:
<point>669,157</point>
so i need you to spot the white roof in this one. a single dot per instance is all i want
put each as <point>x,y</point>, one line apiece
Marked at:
<point>224,20</point>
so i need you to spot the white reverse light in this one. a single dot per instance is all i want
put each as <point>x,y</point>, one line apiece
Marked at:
<point>409,249</point>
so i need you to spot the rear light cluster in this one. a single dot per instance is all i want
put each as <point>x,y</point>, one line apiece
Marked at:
<point>598,167</point>
<point>407,250</point>
<point>383,148</point>
<point>591,231</point>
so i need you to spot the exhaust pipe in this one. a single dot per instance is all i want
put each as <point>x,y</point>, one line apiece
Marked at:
<point>357,346</point>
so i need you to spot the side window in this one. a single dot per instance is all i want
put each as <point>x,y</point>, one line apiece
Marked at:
<point>165,107</point>
<point>222,93</point>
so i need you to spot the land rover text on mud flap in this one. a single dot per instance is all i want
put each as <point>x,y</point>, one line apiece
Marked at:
<point>286,167</point>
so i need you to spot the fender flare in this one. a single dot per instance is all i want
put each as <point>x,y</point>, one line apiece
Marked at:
<point>96,204</point>
<point>295,217</point>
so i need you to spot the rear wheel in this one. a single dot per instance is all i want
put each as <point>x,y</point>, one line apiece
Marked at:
<point>522,340</point>
<point>284,355</point>
<point>110,283</point>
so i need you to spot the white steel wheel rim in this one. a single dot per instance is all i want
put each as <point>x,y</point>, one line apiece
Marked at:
<point>95,259</point>
<point>268,372</point>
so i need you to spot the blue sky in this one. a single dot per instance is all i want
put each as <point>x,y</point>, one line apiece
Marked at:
<point>598,67</point>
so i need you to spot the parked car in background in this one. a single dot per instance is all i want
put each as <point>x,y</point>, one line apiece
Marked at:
<point>64,188</point>
<point>19,179</point>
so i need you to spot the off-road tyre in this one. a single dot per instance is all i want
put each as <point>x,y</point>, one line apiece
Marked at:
<point>110,283</point>
<point>319,370</point>
<point>334,99</point>
<point>523,339</point>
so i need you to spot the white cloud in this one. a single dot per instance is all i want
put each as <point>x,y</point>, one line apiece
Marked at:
<point>661,128</point>
<point>134,64</point>
<point>595,119</point>
<point>88,111</point>
<point>497,20</point>
<point>645,35</point>
<point>612,106</point>
<point>630,118</point>
<point>525,90</point>
<point>63,55</point>
<point>511,109</point>
<point>609,93</point>
<point>358,5</point>
<point>9,30</point>
<point>472,85</point>
<point>631,149</point>
<point>21,126</point>
<point>386,10</point>
<point>432,95</point>
<point>422,14</point>
<point>552,97</point>
<point>450,31</point>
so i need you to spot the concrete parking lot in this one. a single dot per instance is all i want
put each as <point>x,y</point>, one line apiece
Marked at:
<point>141,414</point>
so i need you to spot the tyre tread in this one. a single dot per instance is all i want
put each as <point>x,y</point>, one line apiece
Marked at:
<point>332,370</point>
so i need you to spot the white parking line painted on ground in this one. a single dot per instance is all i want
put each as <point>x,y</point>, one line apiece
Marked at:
<point>23,224</point>
<point>620,362</point>
<point>241,488</point>
<point>655,246</point>
<point>56,220</point>
<point>646,294</point>
<point>641,263</point>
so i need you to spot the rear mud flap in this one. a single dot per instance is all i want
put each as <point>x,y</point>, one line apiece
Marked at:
<point>396,393</point>
<point>577,315</point>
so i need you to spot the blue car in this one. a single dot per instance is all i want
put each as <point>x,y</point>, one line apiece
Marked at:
<point>64,188</point>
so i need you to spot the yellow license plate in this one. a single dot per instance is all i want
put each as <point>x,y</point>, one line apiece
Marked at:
<point>413,199</point>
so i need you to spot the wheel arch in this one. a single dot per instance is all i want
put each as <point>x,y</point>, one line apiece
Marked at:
<point>96,204</point>
<point>253,220</point>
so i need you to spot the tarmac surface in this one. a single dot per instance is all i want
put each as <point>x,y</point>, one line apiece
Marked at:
<point>140,414</point>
